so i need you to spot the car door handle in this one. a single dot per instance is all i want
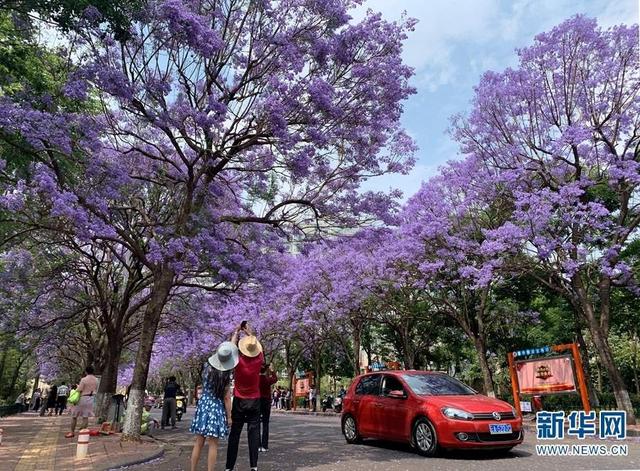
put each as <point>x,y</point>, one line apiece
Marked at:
<point>378,404</point>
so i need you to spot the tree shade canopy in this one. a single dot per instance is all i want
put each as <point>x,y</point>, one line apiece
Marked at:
<point>194,164</point>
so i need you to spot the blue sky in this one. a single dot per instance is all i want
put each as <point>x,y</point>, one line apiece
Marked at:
<point>454,42</point>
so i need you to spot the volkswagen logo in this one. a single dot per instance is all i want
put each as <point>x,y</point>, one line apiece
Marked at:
<point>496,415</point>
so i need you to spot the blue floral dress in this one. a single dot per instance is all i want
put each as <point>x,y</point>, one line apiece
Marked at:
<point>210,419</point>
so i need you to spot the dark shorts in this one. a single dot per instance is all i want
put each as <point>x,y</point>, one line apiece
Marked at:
<point>245,410</point>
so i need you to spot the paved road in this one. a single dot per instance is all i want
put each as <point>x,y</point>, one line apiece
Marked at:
<point>308,443</point>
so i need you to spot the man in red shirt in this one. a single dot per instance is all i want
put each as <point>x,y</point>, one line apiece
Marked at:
<point>267,379</point>
<point>246,397</point>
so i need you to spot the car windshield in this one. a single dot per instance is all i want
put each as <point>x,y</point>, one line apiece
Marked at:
<point>437,385</point>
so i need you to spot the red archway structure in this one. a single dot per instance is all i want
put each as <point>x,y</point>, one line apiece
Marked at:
<point>578,369</point>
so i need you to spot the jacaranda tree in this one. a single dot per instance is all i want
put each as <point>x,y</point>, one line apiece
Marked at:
<point>453,242</point>
<point>221,126</point>
<point>563,130</point>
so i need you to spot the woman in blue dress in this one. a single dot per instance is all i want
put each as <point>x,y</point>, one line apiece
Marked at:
<point>213,414</point>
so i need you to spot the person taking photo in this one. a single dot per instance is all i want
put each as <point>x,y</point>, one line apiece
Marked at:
<point>246,396</point>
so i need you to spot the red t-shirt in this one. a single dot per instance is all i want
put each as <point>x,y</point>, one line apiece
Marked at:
<point>266,380</point>
<point>247,377</point>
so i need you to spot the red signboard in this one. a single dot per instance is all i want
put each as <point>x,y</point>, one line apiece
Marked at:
<point>546,376</point>
<point>302,387</point>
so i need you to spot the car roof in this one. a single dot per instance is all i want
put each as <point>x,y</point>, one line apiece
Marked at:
<point>402,372</point>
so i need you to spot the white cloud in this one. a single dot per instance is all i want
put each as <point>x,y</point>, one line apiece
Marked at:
<point>618,12</point>
<point>446,25</point>
<point>442,25</point>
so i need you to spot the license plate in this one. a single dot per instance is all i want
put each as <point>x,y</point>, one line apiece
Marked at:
<point>496,429</point>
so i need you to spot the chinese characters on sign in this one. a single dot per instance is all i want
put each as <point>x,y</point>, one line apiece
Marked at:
<point>611,424</point>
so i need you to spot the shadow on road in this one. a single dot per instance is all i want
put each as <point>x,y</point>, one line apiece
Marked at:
<point>476,455</point>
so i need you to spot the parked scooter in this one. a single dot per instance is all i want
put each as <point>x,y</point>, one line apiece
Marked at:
<point>181,406</point>
<point>337,404</point>
<point>327,402</point>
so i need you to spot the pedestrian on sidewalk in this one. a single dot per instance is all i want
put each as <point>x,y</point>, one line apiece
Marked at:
<point>21,399</point>
<point>268,378</point>
<point>171,390</point>
<point>147,421</point>
<point>213,413</point>
<point>287,399</point>
<point>43,403</point>
<point>87,388</point>
<point>312,399</point>
<point>61,401</point>
<point>35,400</point>
<point>282,398</point>
<point>246,396</point>
<point>51,399</point>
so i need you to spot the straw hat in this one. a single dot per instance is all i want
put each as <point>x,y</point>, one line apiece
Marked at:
<point>249,346</point>
<point>226,357</point>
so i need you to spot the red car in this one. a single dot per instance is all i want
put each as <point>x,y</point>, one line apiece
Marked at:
<point>429,410</point>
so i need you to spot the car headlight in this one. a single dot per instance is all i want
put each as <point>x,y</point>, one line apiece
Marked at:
<point>515,412</point>
<point>453,413</point>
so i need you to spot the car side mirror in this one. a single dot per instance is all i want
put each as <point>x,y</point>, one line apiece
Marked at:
<point>397,394</point>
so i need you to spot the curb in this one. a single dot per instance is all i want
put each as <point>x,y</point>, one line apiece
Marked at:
<point>147,459</point>
<point>305,412</point>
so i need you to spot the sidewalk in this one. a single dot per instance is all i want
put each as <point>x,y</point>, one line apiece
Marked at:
<point>34,443</point>
<point>302,411</point>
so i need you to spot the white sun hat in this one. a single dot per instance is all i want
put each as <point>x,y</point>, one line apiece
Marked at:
<point>226,357</point>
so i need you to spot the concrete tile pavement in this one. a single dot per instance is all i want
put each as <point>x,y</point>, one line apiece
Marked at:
<point>34,443</point>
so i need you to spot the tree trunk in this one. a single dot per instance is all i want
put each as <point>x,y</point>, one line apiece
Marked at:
<point>623,401</point>
<point>318,368</point>
<point>108,381</point>
<point>161,288</point>
<point>480,342</point>
<point>36,381</point>
<point>409,360</point>
<point>634,359</point>
<point>356,350</point>
<point>593,396</point>
<point>3,361</point>
<point>14,378</point>
<point>408,353</point>
<point>599,373</point>
<point>292,376</point>
<point>598,329</point>
<point>487,379</point>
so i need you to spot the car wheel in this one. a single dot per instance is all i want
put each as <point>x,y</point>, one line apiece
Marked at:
<point>350,429</point>
<point>424,438</point>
